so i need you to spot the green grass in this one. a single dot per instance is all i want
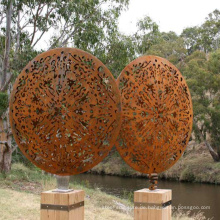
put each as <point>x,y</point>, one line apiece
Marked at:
<point>27,184</point>
<point>196,165</point>
<point>20,197</point>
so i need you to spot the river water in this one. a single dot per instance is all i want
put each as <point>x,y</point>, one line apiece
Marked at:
<point>200,197</point>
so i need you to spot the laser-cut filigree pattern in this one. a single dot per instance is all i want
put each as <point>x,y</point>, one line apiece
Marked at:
<point>65,111</point>
<point>156,114</point>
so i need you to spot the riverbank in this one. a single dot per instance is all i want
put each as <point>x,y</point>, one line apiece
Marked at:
<point>196,165</point>
<point>27,184</point>
<point>20,198</point>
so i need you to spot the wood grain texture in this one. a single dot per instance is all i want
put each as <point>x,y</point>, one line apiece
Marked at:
<point>66,199</point>
<point>154,199</point>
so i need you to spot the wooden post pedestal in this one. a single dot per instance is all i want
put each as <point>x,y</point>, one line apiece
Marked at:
<point>62,206</point>
<point>152,204</point>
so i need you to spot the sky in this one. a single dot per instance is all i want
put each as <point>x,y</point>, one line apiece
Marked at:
<point>170,15</point>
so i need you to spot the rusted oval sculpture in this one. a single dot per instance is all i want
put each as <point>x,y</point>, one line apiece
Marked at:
<point>65,111</point>
<point>156,114</point>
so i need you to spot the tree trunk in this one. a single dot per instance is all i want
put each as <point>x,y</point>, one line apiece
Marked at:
<point>218,151</point>
<point>215,156</point>
<point>5,159</point>
<point>5,149</point>
<point>7,43</point>
<point>18,35</point>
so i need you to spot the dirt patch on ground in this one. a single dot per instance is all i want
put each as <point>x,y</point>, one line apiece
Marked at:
<point>31,187</point>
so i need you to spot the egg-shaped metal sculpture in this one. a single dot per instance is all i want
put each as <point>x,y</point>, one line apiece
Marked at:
<point>65,111</point>
<point>157,114</point>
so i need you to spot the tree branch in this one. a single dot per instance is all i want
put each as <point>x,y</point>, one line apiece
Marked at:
<point>2,18</point>
<point>25,25</point>
<point>61,34</point>
<point>24,14</point>
<point>13,148</point>
<point>47,15</point>
<point>35,23</point>
<point>18,34</point>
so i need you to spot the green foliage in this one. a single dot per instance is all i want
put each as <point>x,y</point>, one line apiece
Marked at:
<point>147,35</point>
<point>214,109</point>
<point>169,46</point>
<point>191,39</point>
<point>210,31</point>
<point>187,175</point>
<point>86,24</point>
<point>205,37</point>
<point>202,74</point>
<point>21,172</point>
<point>25,55</point>
<point>116,53</point>
<point>125,171</point>
<point>215,128</point>
<point>128,195</point>
<point>93,26</point>
<point>3,102</point>
<point>18,157</point>
<point>195,53</point>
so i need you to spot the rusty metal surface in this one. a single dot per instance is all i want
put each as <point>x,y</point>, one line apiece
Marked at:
<point>153,179</point>
<point>67,208</point>
<point>65,111</point>
<point>156,114</point>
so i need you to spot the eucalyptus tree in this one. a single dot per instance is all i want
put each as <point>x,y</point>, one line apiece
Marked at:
<point>148,34</point>
<point>116,52</point>
<point>202,72</point>
<point>205,37</point>
<point>203,77</point>
<point>23,26</point>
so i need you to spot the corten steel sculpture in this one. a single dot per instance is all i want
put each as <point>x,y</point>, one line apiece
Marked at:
<point>156,115</point>
<point>65,111</point>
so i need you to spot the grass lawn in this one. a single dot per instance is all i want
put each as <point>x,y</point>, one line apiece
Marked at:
<point>26,206</point>
<point>196,165</point>
<point>20,198</point>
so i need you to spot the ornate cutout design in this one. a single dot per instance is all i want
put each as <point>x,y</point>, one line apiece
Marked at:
<point>156,114</point>
<point>65,111</point>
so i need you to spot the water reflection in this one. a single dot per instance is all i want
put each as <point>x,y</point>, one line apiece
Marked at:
<point>184,194</point>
